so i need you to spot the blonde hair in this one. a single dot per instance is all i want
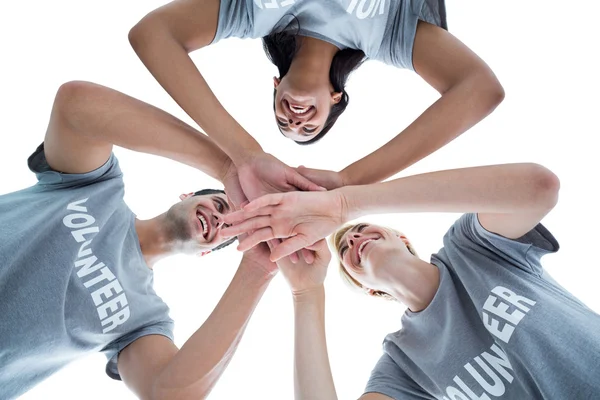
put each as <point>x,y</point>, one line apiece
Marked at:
<point>336,241</point>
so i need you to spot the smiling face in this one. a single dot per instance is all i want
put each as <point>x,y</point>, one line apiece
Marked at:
<point>301,110</point>
<point>369,254</point>
<point>195,223</point>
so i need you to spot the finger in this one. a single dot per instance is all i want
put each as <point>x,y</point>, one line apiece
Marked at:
<point>302,183</point>
<point>294,258</point>
<point>249,225</point>
<point>308,255</point>
<point>261,235</point>
<point>319,245</point>
<point>288,247</point>
<point>273,243</point>
<point>263,201</point>
<point>242,215</point>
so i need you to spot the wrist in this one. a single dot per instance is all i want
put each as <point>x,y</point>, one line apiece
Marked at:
<point>309,296</point>
<point>227,169</point>
<point>247,153</point>
<point>256,270</point>
<point>345,178</point>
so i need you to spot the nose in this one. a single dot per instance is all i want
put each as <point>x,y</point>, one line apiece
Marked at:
<point>218,220</point>
<point>295,123</point>
<point>352,238</point>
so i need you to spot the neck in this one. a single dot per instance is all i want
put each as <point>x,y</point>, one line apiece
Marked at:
<point>313,58</point>
<point>415,284</point>
<point>155,240</point>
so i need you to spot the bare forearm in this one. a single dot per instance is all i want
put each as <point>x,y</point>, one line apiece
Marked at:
<point>106,115</point>
<point>460,108</point>
<point>170,64</point>
<point>203,358</point>
<point>491,189</point>
<point>312,372</point>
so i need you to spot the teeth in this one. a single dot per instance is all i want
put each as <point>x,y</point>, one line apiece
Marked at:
<point>362,246</point>
<point>204,224</point>
<point>299,110</point>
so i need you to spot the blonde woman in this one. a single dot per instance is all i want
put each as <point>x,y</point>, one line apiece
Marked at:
<point>484,319</point>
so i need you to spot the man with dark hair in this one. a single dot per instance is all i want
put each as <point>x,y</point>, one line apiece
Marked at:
<point>76,264</point>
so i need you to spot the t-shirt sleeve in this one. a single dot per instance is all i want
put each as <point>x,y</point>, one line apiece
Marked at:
<point>389,379</point>
<point>525,252</point>
<point>235,19</point>
<point>164,328</point>
<point>51,179</point>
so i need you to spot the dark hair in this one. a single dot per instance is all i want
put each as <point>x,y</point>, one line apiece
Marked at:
<point>205,192</point>
<point>280,48</point>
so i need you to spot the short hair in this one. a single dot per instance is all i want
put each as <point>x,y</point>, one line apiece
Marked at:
<point>205,192</point>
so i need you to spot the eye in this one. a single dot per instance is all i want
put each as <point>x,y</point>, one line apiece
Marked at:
<point>361,227</point>
<point>343,251</point>
<point>281,124</point>
<point>308,130</point>
<point>218,206</point>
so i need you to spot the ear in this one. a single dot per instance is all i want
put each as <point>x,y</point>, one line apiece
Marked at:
<point>185,196</point>
<point>276,82</point>
<point>336,97</point>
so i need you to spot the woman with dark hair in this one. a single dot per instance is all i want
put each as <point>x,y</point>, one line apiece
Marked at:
<point>316,44</point>
<point>483,318</point>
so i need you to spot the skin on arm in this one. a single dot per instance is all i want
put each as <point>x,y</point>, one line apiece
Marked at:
<point>510,199</point>
<point>162,40</point>
<point>469,92</point>
<point>88,119</point>
<point>154,369</point>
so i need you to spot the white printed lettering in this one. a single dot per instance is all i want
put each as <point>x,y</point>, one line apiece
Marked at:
<point>468,391</point>
<point>501,310</point>
<point>496,388</point>
<point>79,234</point>
<point>512,298</point>
<point>105,274</point>
<point>106,290</point>
<point>114,305</point>
<point>455,394</point>
<point>86,252</point>
<point>75,206</point>
<point>87,266</point>
<point>115,320</point>
<point>499,363</point>
<point>69,220</point>
<point>493,326</point>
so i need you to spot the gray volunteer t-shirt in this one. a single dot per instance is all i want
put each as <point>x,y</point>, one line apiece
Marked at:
<point>72,277</point>
<point>498,327</point>
<point>383,29</point>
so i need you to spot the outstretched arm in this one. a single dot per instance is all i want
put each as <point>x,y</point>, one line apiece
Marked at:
<point>469,92</point>
<point>88,119</point>
<point>510,199</point>
<point>163,39</point>
<point>154,369</point>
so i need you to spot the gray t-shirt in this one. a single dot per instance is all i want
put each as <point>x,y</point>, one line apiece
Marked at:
<point>72,276</point>
<point>498,327</point>
<point>383,29</point>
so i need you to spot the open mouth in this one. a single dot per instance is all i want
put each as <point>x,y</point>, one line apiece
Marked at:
<point>298,109</point>
<point>362,247</point>
<point>203,219</point>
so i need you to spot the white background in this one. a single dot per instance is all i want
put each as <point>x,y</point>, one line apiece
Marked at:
<point>544,53</point>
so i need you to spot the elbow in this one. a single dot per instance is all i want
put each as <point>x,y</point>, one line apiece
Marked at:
<point>491,92</point>
<point>545,186</point>
<point>71,99</point>
<point>139,34</point>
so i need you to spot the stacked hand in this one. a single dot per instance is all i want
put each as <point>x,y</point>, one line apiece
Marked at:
<point>302,276</point>
<point>303,217</point>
